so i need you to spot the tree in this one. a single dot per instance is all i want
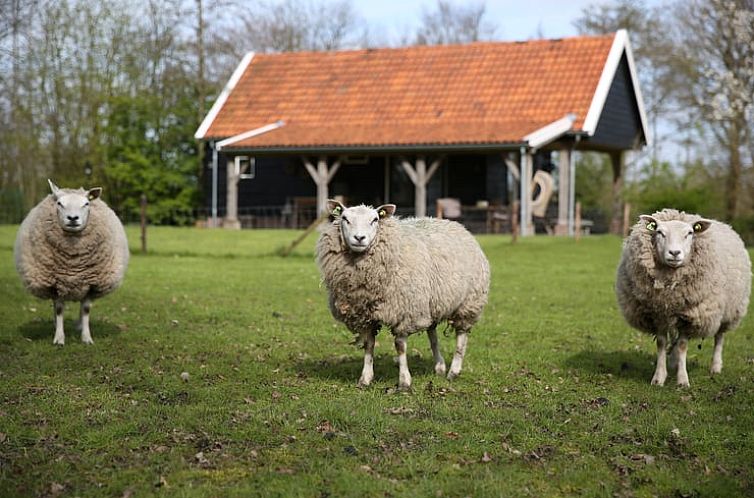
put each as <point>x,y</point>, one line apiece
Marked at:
<point>450,23</point>
<point>294,25</point>
<point>715,56</point>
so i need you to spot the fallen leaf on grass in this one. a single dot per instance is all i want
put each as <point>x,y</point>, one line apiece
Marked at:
<point>201,459</point>
<point>285,470</point>
<point>161,482</point>
<point>399,410</point>
<point>325,426</point>
<point>56,489</point>
<point>3,437</point>
<point>486,458</point>
<point>641,457</point>
<point>451,435</point>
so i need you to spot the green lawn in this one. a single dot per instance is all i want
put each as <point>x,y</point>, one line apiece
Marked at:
<point>554,399</point>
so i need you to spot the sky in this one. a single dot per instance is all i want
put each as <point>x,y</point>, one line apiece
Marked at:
<point>515,19</point>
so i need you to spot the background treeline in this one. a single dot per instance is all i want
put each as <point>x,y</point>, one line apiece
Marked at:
<point>109,92</point>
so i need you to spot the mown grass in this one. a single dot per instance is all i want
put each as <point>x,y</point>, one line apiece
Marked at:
<point>554,399</point>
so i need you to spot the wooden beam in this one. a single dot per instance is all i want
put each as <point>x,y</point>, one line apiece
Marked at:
<point>322,175</point>
<point>564,189</point>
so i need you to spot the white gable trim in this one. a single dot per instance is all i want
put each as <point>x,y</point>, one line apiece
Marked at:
<point>220,102</point>
<point>620,45</point>
<point>248,134</point>
<point>550,132</point>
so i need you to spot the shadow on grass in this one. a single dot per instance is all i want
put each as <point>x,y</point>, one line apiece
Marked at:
<point>44,330</point>
<point>348,368</point>
<point>626,364</point>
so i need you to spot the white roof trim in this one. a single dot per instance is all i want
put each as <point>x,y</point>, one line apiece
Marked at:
<point>550,132</point>
<point>620,45</point>
<point>220,102</point>
<point>248,134</point>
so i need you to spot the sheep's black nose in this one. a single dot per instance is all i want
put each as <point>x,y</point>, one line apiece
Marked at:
<point>359,238</point>
<point>72,218</point>
<point>674,253</point>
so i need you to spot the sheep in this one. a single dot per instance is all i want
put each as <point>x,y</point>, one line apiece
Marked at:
<point>71,247</point>
<point>406,274</point>
<point>680,277</point>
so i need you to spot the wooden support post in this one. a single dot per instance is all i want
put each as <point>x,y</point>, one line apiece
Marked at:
<point>564,190</point>
<point>514,221</point>
<point>577,222</point>
<point>143,204</point>
<point>231,196</point>
<point>617,158</point>
<point>626,218</point>
<point>420,176</point>
<point>322,176</point>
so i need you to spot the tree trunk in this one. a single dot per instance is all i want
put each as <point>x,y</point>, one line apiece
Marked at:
<point>733,184</point>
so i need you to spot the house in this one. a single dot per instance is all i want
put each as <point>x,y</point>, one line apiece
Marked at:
<point>416,124</point>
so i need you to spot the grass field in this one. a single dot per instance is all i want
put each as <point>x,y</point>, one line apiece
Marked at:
<point>554,399</point>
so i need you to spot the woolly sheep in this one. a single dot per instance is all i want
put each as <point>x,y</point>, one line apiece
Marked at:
<point>71,247</point>
<point>681,277</point>
<point>408,274</point>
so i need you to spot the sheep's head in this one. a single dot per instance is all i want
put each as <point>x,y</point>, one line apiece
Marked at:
<point>73,206</point>
<point>359,224</point>
<point>673,239</point>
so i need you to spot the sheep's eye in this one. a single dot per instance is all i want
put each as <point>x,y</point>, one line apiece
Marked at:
<point>86,204</point>
<point>344,219</point>
<point>652,226</point>
<point>60,204</point>
<point>375,221</point>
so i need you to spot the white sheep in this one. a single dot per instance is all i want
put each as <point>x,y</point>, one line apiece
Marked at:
<point>682,277</point>
<point>409,275</point>
<point>71,247</point>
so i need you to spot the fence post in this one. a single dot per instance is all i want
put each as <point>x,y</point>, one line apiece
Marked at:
<point>577,222</point>
<point>143,203</point>
<point>626,218</point>
<point>514,221</point>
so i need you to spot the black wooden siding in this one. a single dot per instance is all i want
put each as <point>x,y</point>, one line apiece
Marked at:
<point>619,126</point>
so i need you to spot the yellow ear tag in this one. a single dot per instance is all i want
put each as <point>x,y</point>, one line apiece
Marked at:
<point>336,211</point>
<point>651,226</point>
<point>697,227</point>
<point>382,213</point>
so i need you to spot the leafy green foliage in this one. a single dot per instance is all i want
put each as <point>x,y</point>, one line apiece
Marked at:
<point>554,399</point>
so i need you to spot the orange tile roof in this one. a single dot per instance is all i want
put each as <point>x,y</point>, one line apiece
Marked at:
<point>480,93</point>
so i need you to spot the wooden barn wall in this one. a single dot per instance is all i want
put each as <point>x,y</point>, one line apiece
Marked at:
<point>619,126</point>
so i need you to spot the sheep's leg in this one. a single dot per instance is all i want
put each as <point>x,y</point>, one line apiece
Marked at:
<point>59,306</point>
<point>439,360</point>
<point>86,335</point>
<point>367,373</point>
<point>661,369</point>
<point>717,355</point>
<point>682,377</point>
<point>673,357</point>
<point>404,376</point>
<point>457,363</point>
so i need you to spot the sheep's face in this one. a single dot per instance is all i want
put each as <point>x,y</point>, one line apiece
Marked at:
<point>359,225</point>
<point>73,207</point>
<point>673,239</point>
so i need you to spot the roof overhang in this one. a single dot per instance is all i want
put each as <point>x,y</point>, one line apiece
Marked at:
<point>249,134</point>
<point>201,132</point>
<point>374,149</point>
<point>621,45</point>
<point>551,132</point>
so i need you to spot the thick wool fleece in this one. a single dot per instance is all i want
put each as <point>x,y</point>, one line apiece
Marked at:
<point>417,273</point>
<point>707,295</point>
<point>55,264</point>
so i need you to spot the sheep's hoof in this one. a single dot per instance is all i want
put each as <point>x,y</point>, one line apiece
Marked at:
<point>363,383</point>
<point>87,340</point>
<point>715,369</point>
<point>58,341</point>
<point>452,375</point>
<point>440,369</point>
<point>404,387</point>
<point>683,383</point>
<point>657,381</point>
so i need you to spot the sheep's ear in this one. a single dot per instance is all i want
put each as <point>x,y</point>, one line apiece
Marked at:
<point>335,208</point>
<point>701,226</point>
<point>53,188</point>
<point>649,222</point>
<point>94,193</point>
<point>386,210</point>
